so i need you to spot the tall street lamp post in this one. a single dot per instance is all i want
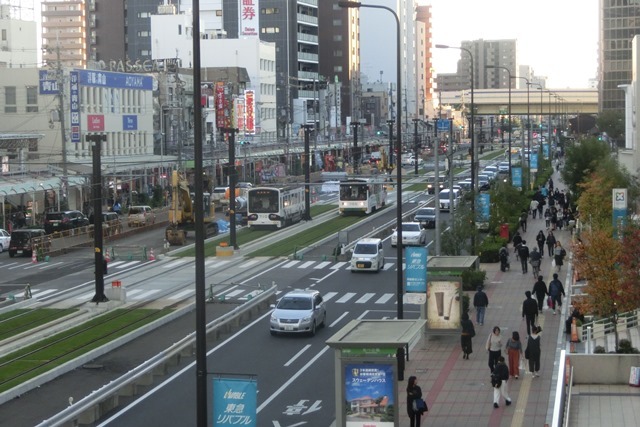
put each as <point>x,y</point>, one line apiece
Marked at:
<point>510,130</point>
<point>399,290</point>
<point>474,149</point>
<point>528,183</point>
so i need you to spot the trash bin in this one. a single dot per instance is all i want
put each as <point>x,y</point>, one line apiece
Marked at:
<point>504,231</point>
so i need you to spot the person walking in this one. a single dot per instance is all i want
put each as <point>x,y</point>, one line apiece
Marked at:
<point>558,256</point>
<point>494,347</point>
<point>503,254</point>
<point>547,217</point>
<point>523,254</point>
<point>499,381</point>
<point>468,332</point>
<point>556,292</point>
<point>533,207</point>
<point>523,220</point>
<point>480,302</point>
<point>540,239</point>
<point>532,353</point>
<point>535,258</point>
<point>517,241</point>
<point>413,392</point>
<point>540,291</point>
<point>529,311</point>
<point>514,352</point>
<point>551,242</point>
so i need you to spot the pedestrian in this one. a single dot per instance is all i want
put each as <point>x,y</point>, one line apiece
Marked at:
<point>523,220</point>
<point>535,258</point>
<point>413,392</point>
<point>503,254</point>
<point>532,353</point>
<point>468,332</point>
<point>480,302</point>
<point>514,353</point>
<point>540,239</point>
<point>558,256</point>
<point>523,254</point>
<point>540,291</point>
<point>517,241</point>
<point>551,242</point>
<point>533,207</point>
<point>104,265</point>
<point>494,347</point>
<point>499,380</point>
<point>547,217</point>
<point>529,311</point>
<point>541,204</point>
<point>556,290</point>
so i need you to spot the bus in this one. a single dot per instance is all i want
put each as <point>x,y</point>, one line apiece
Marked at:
<point>361,196</point>
<point>275,207</point>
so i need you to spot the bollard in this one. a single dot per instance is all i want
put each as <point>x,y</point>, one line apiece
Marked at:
<point>210,296</point>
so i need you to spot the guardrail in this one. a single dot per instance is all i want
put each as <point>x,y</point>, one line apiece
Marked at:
<point>601,328</point>
<point>91,408</point>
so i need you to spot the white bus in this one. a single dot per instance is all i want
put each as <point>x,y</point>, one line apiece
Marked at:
<point>361,196</point>
<point>275,206</point>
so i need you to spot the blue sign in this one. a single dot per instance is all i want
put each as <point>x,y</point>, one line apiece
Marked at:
<point>416,272</point>
<point>48,82</point>
<point>115,80</point>
<point>443,125</point>
<point>74,108</point>
<point>516,177</point>
<point>129,122</point>
<point>534,161</point>
<point>234,402</point>
<point>483,207</point>
<point>545,151</point>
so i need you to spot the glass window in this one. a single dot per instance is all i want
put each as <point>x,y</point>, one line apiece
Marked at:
<point>10,99</point>
<point>32,99</point>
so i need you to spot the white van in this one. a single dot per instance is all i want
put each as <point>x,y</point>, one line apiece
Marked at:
<point>443,199</point>
<point>368,255</point>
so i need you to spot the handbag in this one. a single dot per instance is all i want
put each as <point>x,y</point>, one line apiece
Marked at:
<point>419,405</point>
<point>549,301</point>
<point>522,366</point>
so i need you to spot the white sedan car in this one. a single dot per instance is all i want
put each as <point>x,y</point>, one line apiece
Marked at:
<point>5,238</point>
<point>412,234</point>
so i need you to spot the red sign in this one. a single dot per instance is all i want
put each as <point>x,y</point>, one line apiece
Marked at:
<point>220,103</point>
<point>250,109</point>
<point>95,122</point>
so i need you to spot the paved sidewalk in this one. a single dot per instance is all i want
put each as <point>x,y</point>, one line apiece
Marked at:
<point>458,391</point>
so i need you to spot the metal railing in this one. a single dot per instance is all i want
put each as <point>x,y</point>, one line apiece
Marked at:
<point>602,327</point>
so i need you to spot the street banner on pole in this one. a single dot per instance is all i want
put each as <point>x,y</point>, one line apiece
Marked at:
<point>620,205</point>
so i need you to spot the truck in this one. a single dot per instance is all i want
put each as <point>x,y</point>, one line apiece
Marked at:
<point>182,214</point>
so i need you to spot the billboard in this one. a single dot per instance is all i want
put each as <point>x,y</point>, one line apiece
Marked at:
<point>47,82</point>
<point>239,114</point>
<point>516,177</point>
<point>234,402</point>
<point>620,204</point>
<point>129,122</point>
<point>369,395</point>
<point>416,269</point>
<point>95,123</point>
<point>250,112</point>
<point>249,17</point>
<point>74,108</point>
<point>443,305</point>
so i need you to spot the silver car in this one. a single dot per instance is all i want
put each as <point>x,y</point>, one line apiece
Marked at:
<point>299,311</point>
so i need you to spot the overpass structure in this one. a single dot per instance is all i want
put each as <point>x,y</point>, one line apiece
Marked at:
<point>491,102</point>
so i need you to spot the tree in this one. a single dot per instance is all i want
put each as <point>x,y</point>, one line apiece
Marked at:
<point>629,287</point>
<point>611,122</point>
<point>582,160</point>
<point>456,240</point>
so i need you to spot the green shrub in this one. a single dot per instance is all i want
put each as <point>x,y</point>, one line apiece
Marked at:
<point>471,279</point>
<point>624,347</point>
<point>599,349</point>
<point>465,303</point>
<point>488,250</point>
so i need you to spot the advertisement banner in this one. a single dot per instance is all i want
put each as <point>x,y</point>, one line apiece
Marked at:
<point>620,204</point>
<point>443,125</point>
<point>234,402</point>
<point>534,162</point>
<point>74,108</point>
<point>220,103</point>
<point>416,270</point>
<point>369,395</point>
<point>129,122</point>
<point>443,305</point>
<point>239,114</point>
<point>483,207</point>
<point>115,80</point>
<point>249,17</point>
<point>48,82</point>
<point>250,110</point>
<point>95,123</point>
<point>516,177</point>
<point>545,151</point>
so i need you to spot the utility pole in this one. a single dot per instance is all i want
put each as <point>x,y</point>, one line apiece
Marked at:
<point>231,173</point>
<point>436,181</point>
<point>356,153</point>
<point>307,176</point>
<point>390,162</point>
<point>415,145</point>
<point>63,134</point>
<point>96,187</point>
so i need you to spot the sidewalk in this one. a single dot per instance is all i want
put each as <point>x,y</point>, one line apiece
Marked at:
<point>458,391</point>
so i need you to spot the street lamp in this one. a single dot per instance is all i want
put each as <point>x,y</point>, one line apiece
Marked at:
<point>474,189</point>
<point>528,136</point>
<point>400,314</point>
<point>509,73</point>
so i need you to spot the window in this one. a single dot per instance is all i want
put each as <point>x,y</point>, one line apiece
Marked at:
<point>143,33</point>
<point>32,99</point>
<point>10,99</point>
<point>270,30</point>
<point>4,35</point>
<point>218,12</point>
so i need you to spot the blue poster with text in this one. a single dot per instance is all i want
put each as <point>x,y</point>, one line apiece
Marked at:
<point>234,402</point>
<point>416,272</point>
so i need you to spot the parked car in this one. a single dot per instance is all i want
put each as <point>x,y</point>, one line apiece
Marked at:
<point>299,311</point>
<point>5,238</point>
<point>140,216</point>
<point>412,234</point>
<point>111,224</point>
<point>26,240</point>
<point>367,255</point>
<point>426,217</point>
<point>64,220</point>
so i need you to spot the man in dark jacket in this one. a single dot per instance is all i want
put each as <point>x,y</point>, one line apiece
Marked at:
<point>540,291</point>
<point>555,291</point>
<point>480,302</point>
<point>529,311</point>
<point>501,373</point>
<point>523,254</point>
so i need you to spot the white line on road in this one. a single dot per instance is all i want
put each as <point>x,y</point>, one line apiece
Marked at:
<point>307,264</point>
<point>323,264</point>
<point>329,295</point>
<point>384,298</point>
<point>346,297</point>
<point>339,319</point>
<point>364,298</point>
<point>305,348</point>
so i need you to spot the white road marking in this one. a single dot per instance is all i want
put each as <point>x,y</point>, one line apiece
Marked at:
<point>298,354</point>
<point>346,297</point>
<point>364,298</point>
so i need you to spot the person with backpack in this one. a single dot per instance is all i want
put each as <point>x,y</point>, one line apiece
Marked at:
<point>414,393</point>
<point>558,256</point>
<point>535,258</point>
<point>480,302</point>
<point>533,351</point>
<point>556,292</point>
<point>523,254</point>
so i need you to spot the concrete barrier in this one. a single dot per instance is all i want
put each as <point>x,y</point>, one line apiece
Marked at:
<point>602,368</point>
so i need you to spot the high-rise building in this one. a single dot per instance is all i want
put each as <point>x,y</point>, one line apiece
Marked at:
<point>619,22</point>
<point>18,44</point>
<point>424,61</point>
<point>64,25</point>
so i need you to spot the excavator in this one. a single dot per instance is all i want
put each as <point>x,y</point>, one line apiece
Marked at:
<point>182,215</point>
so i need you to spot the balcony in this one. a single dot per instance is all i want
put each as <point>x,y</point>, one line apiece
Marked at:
<point>308,19</point>
<point>309,2</point>
<point>310,57</point>
<point>308,75</point>
<point>310,38</point>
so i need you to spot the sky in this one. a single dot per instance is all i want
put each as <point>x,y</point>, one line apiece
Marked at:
<point>557,38</point>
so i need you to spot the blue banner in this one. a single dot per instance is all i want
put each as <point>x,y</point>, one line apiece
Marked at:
<point>369,394</point>
<point>516,177</point>
<point>234,402</point>
<point>545,151</point>
<point>443,125</point>
<point>416,272</point>
<point>117,80</point>
<point>129,122</point>
<point>483,207</point>
<point>534,161</point>
<point>48,82</point>
<point>74,108</point>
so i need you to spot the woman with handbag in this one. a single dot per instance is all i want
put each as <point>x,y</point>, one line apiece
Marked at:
<point>468,332</point>
<point>414,395</point>
<point>494,347</point>
<point>532,353</point>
